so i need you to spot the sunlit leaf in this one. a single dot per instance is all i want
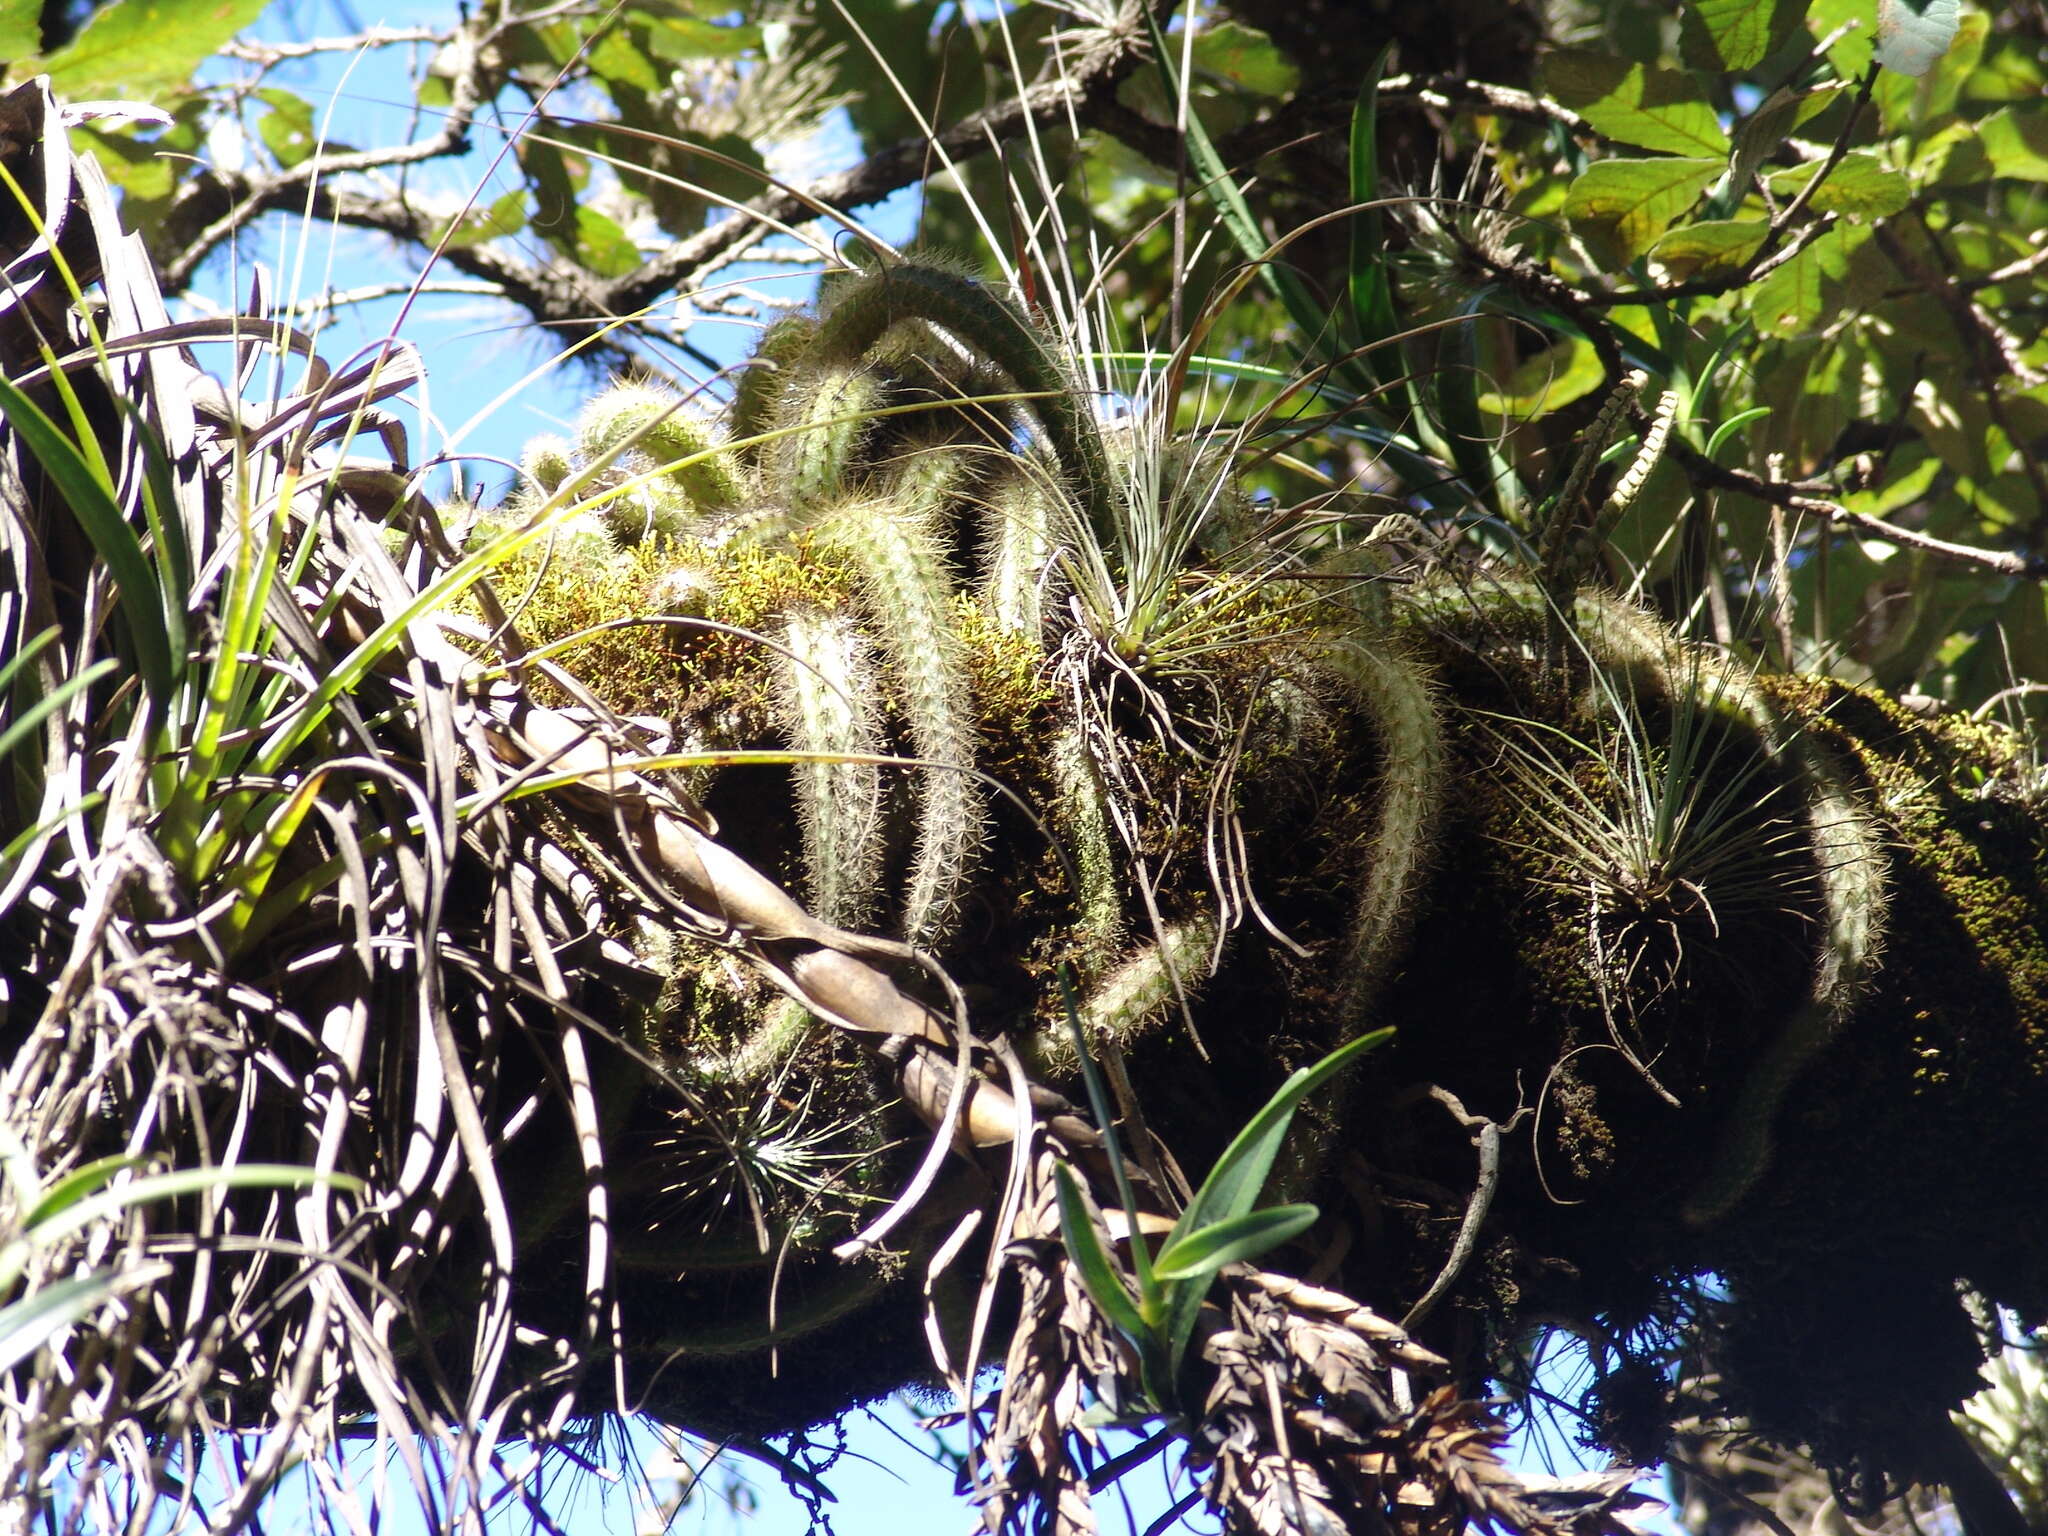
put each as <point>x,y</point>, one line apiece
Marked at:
<point>680,39</point>
<point>1736,34</point>
<point>1646,105</point>
<point>2016,141</point>
<point>1775,118</point>
<point>1849,53</point>
<point>1246,57</point>
<point>21,31</point>
<point>287,129</point>
<point>1801,292</point>
<point>43,1315</point>
<point>505,216</point>
<point>1709,248</point>
<point>145,48</point>
<point>1860,184</point>
<point>1084,1246</point>
<point>1627,204</point>
<point>1208,1249</point>
<point>1550,380</point>
<point>1918,101</point>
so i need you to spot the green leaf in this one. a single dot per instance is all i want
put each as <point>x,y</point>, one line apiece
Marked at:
<point>1953,156</point>
<point>1710,248</point>
<point>1246,57</point>
<point>75,1186</point>
<point>1849,53</point>
<point>1907,102</point>
<point>682,39</point>
<point>1859,184</point>
<point>1372,296</point>
<point>287,128</point>
<point>1646,105</point>
<point>556,179</point>
<point>1908,482</point>
<point>145,48</point>
<point>2009,74</point>
<point>1912,35</point>
<point>1627,204</point>
<point>165,1186</point>
<point>1233,1185</point>
<point>93,506</point>
<point>1549,381</point>
<point>21,31</point>
<point>1777,117</point>
<point>1736,34</point>
<point>2016,140</point>
<point>1203,1252</point>
<point>1800,292</point>
<point>505,216</point>
<point>27,1325</point>
<point>602,246</point>
<point>29,718</point>
<point>1456,386</point>
<point>1099,1276</point>
<point>618,60</point>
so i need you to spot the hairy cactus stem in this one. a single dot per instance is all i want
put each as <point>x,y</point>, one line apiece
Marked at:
<point>829,706</point>
<point>893,542</point>
<point>992,329</point>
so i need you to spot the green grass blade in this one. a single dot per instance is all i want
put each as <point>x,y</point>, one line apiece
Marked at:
<point>55,699</point>
<point>75,1186</point>
<point>27,1325</point>
<point>1309,315</point>
<point>1456,387</point>
<point>163,1186</point>
<point>92,503</point>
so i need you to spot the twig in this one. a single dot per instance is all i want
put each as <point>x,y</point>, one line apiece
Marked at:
<point>1798,496</point>
<point>885,171</point>
<point>1449,90</point>
<point>1486,1136</point>
<point>370,37</point>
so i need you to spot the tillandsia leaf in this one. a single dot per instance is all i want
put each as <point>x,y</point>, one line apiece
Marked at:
<point>1201,1253</point>
<point>30,1323</point>
<point>1456,387</point>
<point>91,501</point>
<point>191,835</point>
<point>75,1186</point>
<point>1372,296</point>
<point>33,716</point>
<point>171,551</point>
<point>105,1203</point>
<point>254,869</point>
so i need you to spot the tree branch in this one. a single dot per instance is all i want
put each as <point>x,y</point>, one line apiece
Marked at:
<point>1798,497</point>
<point>885,171</point>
